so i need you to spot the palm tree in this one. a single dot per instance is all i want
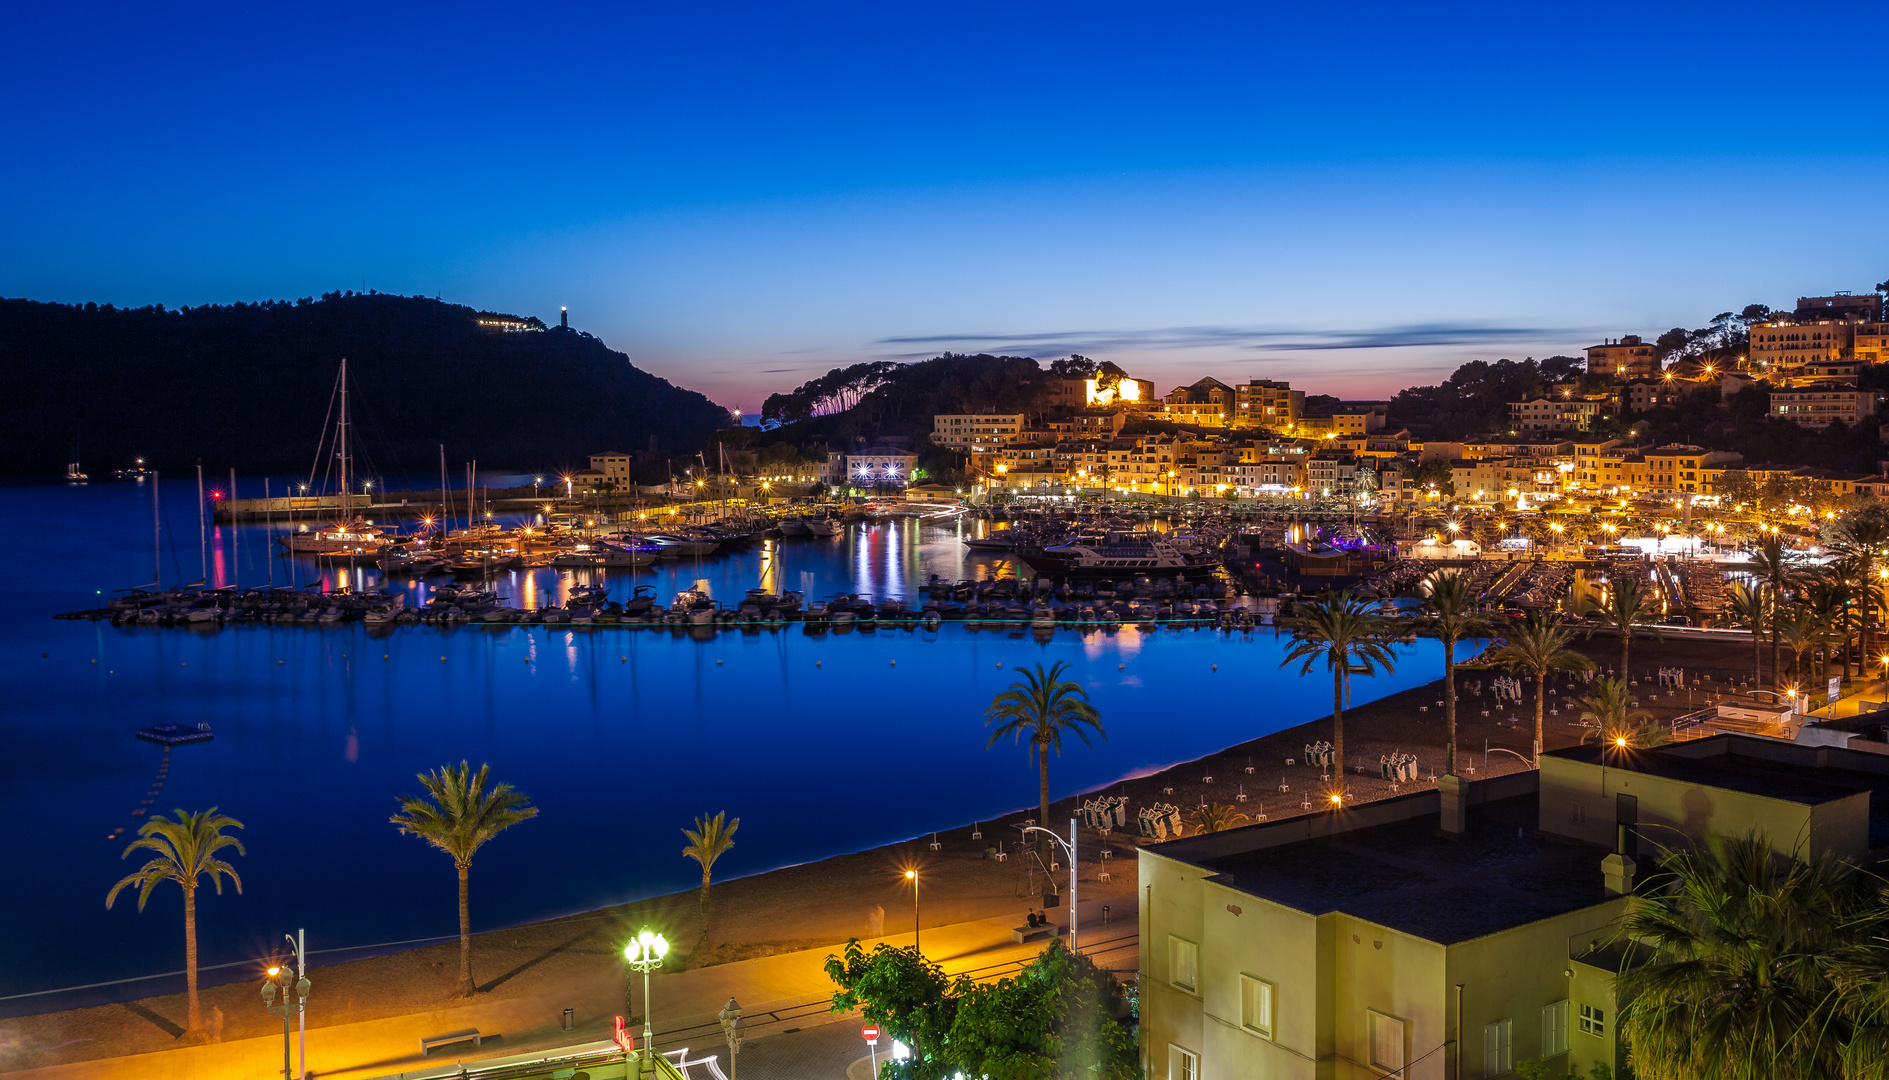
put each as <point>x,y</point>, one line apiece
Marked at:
<point>1749,606</point>
<point>1343,631</point>
<point>185,851</point>
<point>1628,609</point>
<point>458,818</point>
<point>1042,707</point>
<point>1775,566</point>
<point>1800,630</point>
<point>1729,973</point>
<point>709,840</point>
<point>1861,537</point>
<point>1449,611</point>
<point>1212,817</point>
<point>1539,646</point>
<point>1608,705</point>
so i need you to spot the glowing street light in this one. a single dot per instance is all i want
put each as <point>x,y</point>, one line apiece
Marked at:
<point>912,876</point>
<point>292,983</point>
<point>644,953</point>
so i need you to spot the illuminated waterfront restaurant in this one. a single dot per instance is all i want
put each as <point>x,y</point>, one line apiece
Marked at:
<point>880,466</point>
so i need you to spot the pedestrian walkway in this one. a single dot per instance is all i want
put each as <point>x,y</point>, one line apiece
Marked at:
<point>783,997</point>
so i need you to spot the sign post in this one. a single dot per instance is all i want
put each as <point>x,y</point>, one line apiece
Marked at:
<point>871,1034</point>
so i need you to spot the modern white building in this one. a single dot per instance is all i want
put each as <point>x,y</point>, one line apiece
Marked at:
<point>880,466</point>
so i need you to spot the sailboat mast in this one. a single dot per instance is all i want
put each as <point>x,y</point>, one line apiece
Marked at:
<point>342,440</point>
<point>203,531</point>
<point>445,495</point>
<point>236,538</point>
<point>157,538</point>
<point>268,529</point>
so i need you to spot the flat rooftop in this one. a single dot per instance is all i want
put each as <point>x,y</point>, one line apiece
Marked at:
<point>1731,771</point>
<point>1406,876</point>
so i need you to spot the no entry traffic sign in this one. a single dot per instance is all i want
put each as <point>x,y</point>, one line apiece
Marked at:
<point>871,1033</point>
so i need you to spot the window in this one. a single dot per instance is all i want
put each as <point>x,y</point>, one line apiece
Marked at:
<point>1183,963</point>
<point>1387,1040</point>
<point>1498,1045</point>
<point>1256,1006</point>
<point>1182,1064</point>
<point>1593,1021</point>
<point>1554,1029</point>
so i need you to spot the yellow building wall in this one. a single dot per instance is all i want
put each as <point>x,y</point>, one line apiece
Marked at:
<point>1668,809</point>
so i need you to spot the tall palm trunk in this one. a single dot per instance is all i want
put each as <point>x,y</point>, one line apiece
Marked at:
<point>1541,695</point>
<point>1449,705</point>
<point>1338,726</point>
<point>1757,658</point>
<point>704,903</point>
<point>1626,644</point>
<point>193,1015</point>
<point>465,932</point>
<point>1042,798</point>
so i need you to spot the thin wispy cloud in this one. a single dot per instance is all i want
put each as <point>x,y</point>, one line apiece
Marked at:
<point>1252,339</point>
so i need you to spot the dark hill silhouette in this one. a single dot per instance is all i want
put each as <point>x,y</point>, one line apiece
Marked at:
<point>248,385</point>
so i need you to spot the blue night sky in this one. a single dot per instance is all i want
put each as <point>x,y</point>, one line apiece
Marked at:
<point>740,196</point>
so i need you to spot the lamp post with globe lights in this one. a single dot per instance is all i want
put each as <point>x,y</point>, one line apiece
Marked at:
<point>645,954</point>
<point>733,1027</point>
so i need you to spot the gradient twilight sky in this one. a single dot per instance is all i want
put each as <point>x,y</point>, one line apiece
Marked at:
<point>740,196</point>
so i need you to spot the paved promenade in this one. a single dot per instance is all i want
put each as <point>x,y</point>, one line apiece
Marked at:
<point>790,1032</point>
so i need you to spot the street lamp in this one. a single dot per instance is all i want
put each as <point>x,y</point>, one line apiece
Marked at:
<point>645,954</point>
<point>293,986</point>
<point>732,1028</point>
<point>1069,848</point>
<point>912,876</point>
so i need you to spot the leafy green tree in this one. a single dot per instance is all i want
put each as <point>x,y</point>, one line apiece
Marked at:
<point>1540,646</point>
<point>1340,630</point>
<point>709,840</point>
<point>905,994</point>
<point>1041,707</point>
<point>1449,611</point>
<point>1054,1020</point>
<point>458,815</point>
<point>1729,971</point>
<point>184,852</point>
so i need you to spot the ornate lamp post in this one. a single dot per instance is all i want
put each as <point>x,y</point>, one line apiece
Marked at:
<point>912,876</point>
<point>294,990</point>
<point>645,954</point>
<point>733,1027</point>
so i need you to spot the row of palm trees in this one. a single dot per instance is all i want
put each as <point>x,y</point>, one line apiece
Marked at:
<point>1345,633</point>
<point>461,810</point>
<point>1826,611</point>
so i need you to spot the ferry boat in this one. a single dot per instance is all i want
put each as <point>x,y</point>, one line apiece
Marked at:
<point>1122,554</point>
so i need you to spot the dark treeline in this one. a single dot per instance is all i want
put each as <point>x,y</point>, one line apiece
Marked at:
<point>883,398</point>
<point>249,384</point>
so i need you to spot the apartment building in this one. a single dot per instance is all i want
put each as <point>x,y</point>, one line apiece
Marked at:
<point>1626,358</point>
<point>1677,469</point>
<point>1821,406</point>
<point>611,465</point>
<point>880,466</point>
<point>1491,479</point>
<point>1783,347</point>
<point>1268,475</point>
<point>1458,931</point>
<point>1872,343</point>
<point>979,431</point>
<point>1826,372</point>
<point>1551,414</point>
<point>1266,403</point>
<point>1642,395</point>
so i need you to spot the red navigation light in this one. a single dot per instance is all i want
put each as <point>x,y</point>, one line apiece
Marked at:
<point>215,494</point>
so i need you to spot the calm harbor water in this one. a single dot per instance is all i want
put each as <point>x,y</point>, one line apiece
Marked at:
<point>820,744</point>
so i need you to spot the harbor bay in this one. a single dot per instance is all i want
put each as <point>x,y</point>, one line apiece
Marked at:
<point>821,743</point>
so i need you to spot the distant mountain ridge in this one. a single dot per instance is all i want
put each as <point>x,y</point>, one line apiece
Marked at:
<point>248,385</point>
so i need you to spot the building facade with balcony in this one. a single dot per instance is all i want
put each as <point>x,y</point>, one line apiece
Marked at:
<point>1821,406</point>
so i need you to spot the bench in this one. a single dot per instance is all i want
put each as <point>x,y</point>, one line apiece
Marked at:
<point>432,1042</point>
<point>1022,934</point>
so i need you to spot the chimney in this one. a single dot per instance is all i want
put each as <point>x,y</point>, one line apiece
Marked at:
<point>1454,791</point>
<point>1618,869</point>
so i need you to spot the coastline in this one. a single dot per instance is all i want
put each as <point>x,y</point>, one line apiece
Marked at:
<point>823,903</point>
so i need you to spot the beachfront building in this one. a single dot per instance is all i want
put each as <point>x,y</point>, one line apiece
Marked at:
<point>978,431</point>
<point>1458,931</point>
<point>1821,406</point>
<point>611,465</point>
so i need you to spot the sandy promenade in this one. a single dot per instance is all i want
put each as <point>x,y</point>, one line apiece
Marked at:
<point>806,911</point>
